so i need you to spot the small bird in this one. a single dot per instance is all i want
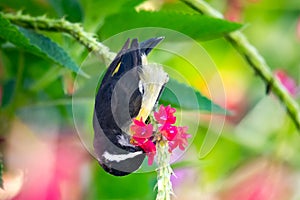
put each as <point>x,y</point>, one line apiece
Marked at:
<point>129,90</point>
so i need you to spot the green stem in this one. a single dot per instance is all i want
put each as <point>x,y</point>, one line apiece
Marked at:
<point>164,172</point>
<point>254,59</point>
<point>62,25</point>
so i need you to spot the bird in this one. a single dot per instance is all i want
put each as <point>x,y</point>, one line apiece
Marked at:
<point>130,89</point>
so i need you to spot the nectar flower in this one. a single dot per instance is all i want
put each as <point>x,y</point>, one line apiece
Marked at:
<point>168,131</point>
<point>180,139</point>
<point>142,134</point>
<point>141,130</point>
<point>165,115</point>
<point>150,149</point>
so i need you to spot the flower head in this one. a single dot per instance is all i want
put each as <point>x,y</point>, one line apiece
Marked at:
<point>142,134</point>
<point>168,131</point>
<point>180,140</point>
<point>141,130</point>
<point>165,115</point>
<point>146,137</point>
<point>150,149</point>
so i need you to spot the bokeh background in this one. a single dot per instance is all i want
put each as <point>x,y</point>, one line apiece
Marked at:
<point>255,158</point>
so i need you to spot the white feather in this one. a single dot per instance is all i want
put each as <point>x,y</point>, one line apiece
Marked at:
<point>124,142</point>
<point>120,157</point>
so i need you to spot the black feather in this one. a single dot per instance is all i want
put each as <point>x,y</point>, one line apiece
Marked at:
<point>148,45</point>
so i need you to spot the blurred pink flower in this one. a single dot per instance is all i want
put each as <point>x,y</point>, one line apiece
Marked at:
<point>234,10</point>
<point>287,82</point>
<point>258,180</point>
<point>52,165</point>
<point>183,175</point>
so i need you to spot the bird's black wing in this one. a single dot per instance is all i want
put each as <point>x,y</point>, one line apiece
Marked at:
<point>118,100</point>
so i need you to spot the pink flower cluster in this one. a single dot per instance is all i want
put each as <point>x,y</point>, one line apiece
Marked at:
<point>145,136</point>
<point>288,82</point>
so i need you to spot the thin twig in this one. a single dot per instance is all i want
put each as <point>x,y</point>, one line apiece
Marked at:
<point>62,25</point>
<point>254,59</point>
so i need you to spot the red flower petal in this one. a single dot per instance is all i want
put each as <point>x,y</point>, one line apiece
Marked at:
<point>150,157</point>
<point>150,149</point>
<point>141,136</point>
<point>165,115</point>
<point>180,140</point>
<point>138,141</point>
<point>168,131</point>
<point>141,130</point>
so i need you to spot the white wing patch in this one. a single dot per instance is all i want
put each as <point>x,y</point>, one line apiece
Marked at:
<point>120,157</point>
<point>124,142</point>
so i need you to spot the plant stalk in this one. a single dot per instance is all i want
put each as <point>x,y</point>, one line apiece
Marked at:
<point>164,172</point>
<point>254,59</point>
<point>62,25</point>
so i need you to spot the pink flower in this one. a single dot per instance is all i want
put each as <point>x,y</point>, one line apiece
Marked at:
<point>180,140</point>
<point>168,131</point>
<point>141,130</point>
<point>165,115</point>
<point>149,147</point>
<point>287,82</point>
<point>234,10</point>
<point>142,138</point>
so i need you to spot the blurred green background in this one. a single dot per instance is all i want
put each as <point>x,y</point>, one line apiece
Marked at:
<point>255,158</point>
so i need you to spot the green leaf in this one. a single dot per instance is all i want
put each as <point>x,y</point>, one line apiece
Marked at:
<point>93,18</point>
<point>27,6</point>
<point>71,9</point>
<point>37,44</point>
<point>196,26</point>
<point>51,49</point>
<point>2,41</point>
<point>47,78</point>
<point>184,97</point>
